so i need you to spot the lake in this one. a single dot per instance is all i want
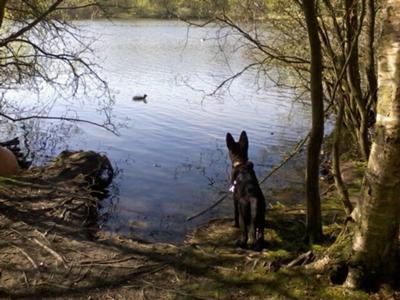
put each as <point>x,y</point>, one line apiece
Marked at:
<point>170,152</point>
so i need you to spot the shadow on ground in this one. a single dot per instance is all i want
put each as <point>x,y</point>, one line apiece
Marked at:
<point>51,247</point>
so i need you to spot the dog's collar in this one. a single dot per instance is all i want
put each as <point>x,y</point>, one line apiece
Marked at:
<point>235,167</point>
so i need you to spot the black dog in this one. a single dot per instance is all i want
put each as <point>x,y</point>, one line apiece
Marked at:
<point>248,199</point>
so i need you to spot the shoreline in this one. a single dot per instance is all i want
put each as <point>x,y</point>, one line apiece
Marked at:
<point>52,248</point>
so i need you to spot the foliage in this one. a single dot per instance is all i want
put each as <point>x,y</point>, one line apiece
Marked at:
<point>38,47</point>
<point>159,9</point>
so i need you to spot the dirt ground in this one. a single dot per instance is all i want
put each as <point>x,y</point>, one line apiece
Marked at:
<point>52,248</point>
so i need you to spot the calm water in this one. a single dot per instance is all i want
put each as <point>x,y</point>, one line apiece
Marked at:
<point>171,152</point>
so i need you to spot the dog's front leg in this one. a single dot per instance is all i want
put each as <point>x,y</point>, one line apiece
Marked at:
<point>242,242</point>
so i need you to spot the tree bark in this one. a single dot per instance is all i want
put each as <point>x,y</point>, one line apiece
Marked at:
<point>2,11</point>
<point>353,75</point>
<point>337,174</point>
<point>370,54</point>
<point>377,234</point>
<point>314,225</point>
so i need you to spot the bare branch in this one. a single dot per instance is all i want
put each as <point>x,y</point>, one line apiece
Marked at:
<point>233,77</point>
<point>30,25</point>
<point>111,129</point>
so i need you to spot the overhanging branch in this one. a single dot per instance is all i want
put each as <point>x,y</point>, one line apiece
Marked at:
<point>111,129</point>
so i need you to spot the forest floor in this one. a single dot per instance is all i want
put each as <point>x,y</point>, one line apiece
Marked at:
<point>52,248</point>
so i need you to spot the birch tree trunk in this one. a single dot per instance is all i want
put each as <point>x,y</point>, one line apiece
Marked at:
<point>376,238</point>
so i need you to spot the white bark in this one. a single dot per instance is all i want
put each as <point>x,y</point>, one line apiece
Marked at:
<point>376,238</point>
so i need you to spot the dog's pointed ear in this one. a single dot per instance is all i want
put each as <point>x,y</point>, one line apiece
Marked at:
<point>244,141</point>
<point>230,142</point>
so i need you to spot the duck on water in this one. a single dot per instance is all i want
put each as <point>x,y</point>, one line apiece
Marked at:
<point>140,98</point>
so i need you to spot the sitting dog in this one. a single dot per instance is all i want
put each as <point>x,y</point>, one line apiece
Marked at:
<point>248,199</point>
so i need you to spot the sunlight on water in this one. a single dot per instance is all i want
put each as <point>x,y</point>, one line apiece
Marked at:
<point>171,150</point>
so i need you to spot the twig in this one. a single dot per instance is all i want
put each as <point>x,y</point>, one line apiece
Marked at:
<point>57,256</point>
<point>301,259</point>
<point>234,76</point>
<point>28,257</point>
<point>26,279</point>
<point>42,235</point>
<point>53,285</point>
<point>296,150</point>
<point>63,213</point>
<point>208,208</point>
<point>22,183</point>
<point>48,230</point>
<point>148,269</point>
<point>62,203</point>
<point>82,277</point>
<point>105,262</point>
<point>58,118</point>
<point>328,190</point>
<point>30,25</point>
<point>142,294</point>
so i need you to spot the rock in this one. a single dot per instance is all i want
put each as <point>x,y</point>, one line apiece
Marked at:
<point>9,165</point>
<point>14,145</point>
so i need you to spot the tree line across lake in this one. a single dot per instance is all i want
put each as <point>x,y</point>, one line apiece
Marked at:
<point>156,8</point>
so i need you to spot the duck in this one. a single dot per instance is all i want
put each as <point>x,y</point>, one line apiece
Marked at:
<point>139,98</point>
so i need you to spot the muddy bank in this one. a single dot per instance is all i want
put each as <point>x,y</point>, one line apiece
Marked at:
<point>51,247</point>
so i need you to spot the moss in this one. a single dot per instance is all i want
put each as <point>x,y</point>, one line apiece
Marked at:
<point>239,274</point>
<point>360,167</point>
<point>339,293</point>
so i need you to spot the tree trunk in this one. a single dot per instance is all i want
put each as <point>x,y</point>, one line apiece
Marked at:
<point>337,174</point>
<point>376,237</point>
<point>314,225</point>
<point>2,10</point>
<point>370,53</point>
<point>353,75</point>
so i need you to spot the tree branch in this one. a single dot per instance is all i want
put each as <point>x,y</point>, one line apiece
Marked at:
<point>104,126</point>
<point>29,26</point>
